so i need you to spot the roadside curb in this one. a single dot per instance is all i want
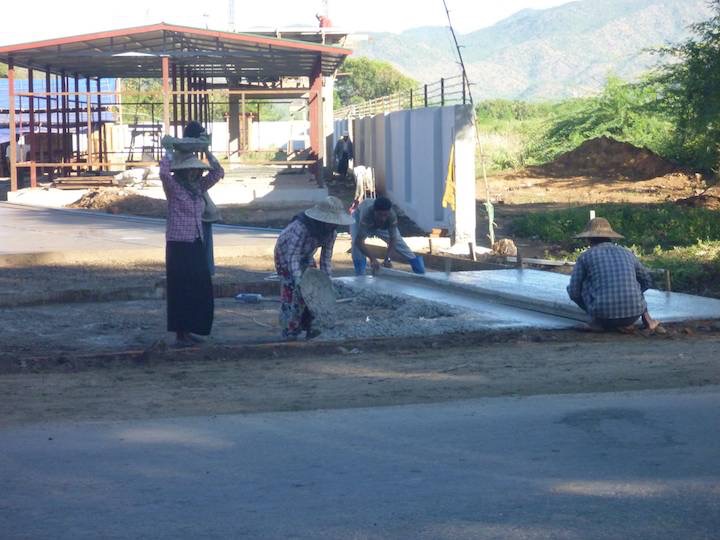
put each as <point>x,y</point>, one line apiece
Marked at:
<point>127,217</point>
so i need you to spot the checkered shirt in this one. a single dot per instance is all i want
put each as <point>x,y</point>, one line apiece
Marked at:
<point>184,219</point>
<point>608,282</point>
<point>295,250</point>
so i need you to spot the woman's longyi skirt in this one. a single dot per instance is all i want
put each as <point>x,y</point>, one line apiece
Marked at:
<point>190,302</point>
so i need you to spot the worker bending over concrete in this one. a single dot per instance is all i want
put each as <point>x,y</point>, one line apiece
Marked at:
<point>608,282</point>
<point>295,252</point>
<point>376,217</point>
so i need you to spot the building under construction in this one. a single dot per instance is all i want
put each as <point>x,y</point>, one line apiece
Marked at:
<point>58,121</point>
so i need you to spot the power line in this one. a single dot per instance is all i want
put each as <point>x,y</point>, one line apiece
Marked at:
<point>466,81</point>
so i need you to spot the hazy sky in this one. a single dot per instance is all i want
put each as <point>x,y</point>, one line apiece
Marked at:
<point>58,18</point>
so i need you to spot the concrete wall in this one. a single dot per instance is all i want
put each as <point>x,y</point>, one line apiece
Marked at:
<point>410,151</point>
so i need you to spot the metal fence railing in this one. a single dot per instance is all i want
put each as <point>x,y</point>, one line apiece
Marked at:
<point>446,91</point>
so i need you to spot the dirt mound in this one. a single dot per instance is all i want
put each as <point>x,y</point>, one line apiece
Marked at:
<point>121,201</point>
<point>604,156</point>
<point>709,200</point>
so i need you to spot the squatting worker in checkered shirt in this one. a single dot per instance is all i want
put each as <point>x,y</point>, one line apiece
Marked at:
<point>608,282</point>
<point>190,303</point>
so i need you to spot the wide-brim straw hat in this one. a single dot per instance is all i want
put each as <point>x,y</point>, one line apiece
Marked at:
<point>330,210</point>
<point>598,228</point>
<point>189,162</point>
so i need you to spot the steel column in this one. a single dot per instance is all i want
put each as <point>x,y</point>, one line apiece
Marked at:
<point>174,99</point>
<point>101,139</point>
<point>88,106</point>
<point>166,94</point>
<point>182,98</point>
<point>77,119</point>
<point>315,107</point>
<point>63,115</point>
<point>31,104</point>
<point>48,115</point>
<point>208,119</point>
<point>11,110</point>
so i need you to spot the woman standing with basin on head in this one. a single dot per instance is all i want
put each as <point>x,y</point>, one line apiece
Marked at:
<point>190,303</point>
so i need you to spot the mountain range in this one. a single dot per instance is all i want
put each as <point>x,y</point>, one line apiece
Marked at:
<point>552,53</point>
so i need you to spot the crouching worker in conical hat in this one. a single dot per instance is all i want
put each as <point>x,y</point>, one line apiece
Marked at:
<point>608,282</point>
<point>190,304</point>
<point>294,253</point>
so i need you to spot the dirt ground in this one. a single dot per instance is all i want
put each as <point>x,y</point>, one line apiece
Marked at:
<point>365,374</point>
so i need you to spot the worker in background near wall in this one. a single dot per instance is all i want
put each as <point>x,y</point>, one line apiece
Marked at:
<point>343,154</point>
<point>294,253</point>
<point>190,303</point>
<point>608,282</point>
<point>376,217</point>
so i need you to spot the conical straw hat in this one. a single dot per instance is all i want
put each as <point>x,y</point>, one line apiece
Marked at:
<point>598,228</point>
<point>330,210</point>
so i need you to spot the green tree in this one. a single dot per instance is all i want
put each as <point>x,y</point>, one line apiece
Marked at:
<point>142,99</point>
<point>626,112</point>
<point>690,83</point>
<point>362,79</point>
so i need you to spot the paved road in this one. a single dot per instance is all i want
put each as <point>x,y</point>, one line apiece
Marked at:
<point>641,465</point>
<point>25,229</point>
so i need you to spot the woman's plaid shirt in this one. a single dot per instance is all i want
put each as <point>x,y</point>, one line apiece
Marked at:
<point>184,223</point>
<point>295,248</point>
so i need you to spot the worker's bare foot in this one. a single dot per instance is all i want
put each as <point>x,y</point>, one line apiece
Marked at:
<point>653,326</point>
<point>627,329</point>
<point>592,326</point>
<point>650,324</point>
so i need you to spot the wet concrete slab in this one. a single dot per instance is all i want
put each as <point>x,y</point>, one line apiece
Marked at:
<point>528,291</point>
<point>485,312</point>
<point>546,292</point>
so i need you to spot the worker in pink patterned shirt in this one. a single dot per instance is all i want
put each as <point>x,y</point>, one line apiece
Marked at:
<point>313,229</point>
<point>190,303</point>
